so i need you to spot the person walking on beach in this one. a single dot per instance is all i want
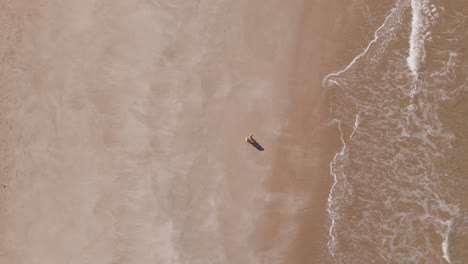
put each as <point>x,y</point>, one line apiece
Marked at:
<point>250,139</point>
<point>254,142</point>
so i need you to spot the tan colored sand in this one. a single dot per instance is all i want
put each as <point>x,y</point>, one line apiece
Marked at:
<point>123,126</point>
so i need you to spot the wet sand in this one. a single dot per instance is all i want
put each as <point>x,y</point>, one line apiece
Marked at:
<point>123,128</point>
<point>307,144</point>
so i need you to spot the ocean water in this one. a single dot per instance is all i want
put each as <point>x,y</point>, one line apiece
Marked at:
<point>394,198</point>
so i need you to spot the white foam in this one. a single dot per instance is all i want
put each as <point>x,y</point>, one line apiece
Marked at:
<point>374,40</point>
<point>423,14</point>
<point>331,214</point>
<point>445,244</point>
<point>416,49</point>
<point>356,124</point>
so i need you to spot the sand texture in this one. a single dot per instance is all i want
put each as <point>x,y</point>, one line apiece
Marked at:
<point>122,129</point>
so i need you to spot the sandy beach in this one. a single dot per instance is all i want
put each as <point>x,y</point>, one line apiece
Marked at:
<point>123,126</point>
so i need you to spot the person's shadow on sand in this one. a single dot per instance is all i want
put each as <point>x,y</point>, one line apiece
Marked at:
<point>254,143</point>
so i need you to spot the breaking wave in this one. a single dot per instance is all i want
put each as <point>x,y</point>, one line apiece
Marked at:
<point>390,201</point>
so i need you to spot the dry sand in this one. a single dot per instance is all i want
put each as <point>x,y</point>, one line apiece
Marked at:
<point>123,126</point>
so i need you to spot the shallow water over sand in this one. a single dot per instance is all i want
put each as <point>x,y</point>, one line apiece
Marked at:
<point>394,198</point>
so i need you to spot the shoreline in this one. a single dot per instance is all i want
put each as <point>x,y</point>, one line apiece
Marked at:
<point>307,144</point>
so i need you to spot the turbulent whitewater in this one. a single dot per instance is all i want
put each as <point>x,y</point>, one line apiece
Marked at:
<point>392,199</point>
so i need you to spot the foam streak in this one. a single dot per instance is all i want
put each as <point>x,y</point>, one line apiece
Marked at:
<point>374,40</point>
<point>331,243</point>
<point>418,24</point>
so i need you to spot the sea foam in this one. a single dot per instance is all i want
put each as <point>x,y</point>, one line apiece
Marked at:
<point>390,149</point>
<point>423,15</point>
